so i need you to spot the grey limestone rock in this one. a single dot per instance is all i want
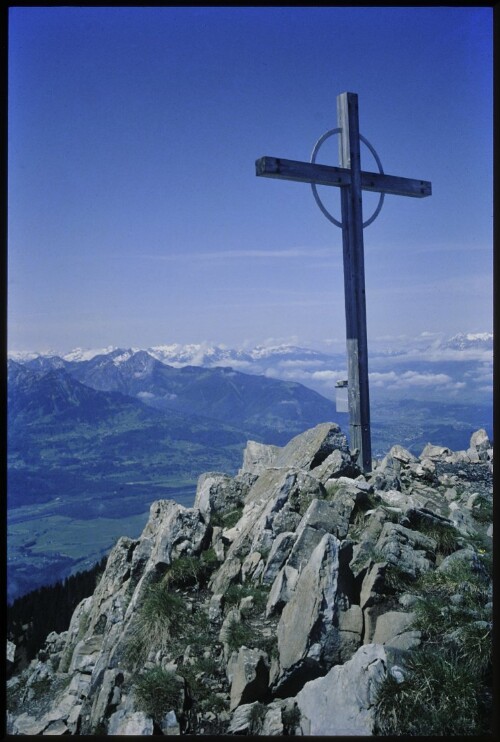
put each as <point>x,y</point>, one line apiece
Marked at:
<point>27,725</point>
<point>480,444</point>
<point>402,500</point>
<point>241,720</point>
<point>247,605</point>
<point>387,474</point>
<point>308,628</point>
<point>85,654</point>
<point>174,531</point>
<point>79,622</point>
<point>402,455</point>
<point>56,727</point>
<point>329,517</point>
<point>280,550</point>
<point>307,540</point>
<point>342,505</point>
<point>169,724</point>
<point>337,464</point>
<point>125,724</point>
<point>266,498</point>
<point>79,685</point>
<point>321,517</point>
<point>107,697</point>
<point>281,589</point>
<point>304,489</point>
<point>373,584</point>
<point>410,551</point>
<point>362,552</point>
<point>466,556</point>
<point>248,673</point>
<point>343,701</point>
<point>391,625</point>
<point>310,449</point>
<point>272,726</point>
<point>219,493</point>
<point>226,575</point>
<point>257,457</point>
<point>285,520</point>
<point>350,631</point>
<point>275,492</point>
<point>252,566</point>
<point>435,452</point>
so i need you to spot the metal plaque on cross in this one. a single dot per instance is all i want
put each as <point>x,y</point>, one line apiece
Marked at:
<point>352,181</point>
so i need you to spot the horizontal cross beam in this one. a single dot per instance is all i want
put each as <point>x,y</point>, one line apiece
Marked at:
<point>307,172</point>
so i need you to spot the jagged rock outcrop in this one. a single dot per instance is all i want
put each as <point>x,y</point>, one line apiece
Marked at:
<point>277,605</point>
<point>220,493</point>
<point>308,627</point>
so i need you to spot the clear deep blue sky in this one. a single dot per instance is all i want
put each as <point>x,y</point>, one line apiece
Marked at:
<point>136,218</point>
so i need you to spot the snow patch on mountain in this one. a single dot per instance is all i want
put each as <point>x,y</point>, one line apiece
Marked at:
<point>465,341</point>
<point>430,363</point>
<point>86,354</point>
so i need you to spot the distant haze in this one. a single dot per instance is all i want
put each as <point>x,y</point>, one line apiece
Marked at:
<point>430,366</point>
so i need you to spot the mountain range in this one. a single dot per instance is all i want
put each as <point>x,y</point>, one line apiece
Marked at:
<point>431,366</point>
<point>92,443</point>
<point>93,438</point>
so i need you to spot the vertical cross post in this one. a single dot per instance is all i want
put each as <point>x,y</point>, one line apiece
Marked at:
<point>354,281</point>
<point>351,180</point>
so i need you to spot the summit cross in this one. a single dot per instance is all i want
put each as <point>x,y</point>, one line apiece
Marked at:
<point>352,181</point>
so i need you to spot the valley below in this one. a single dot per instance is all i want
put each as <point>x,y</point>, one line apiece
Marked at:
<point>90,447</point>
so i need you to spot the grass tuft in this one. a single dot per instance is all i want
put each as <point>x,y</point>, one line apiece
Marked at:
<point>439,696</point>
<point>482,510</point>
<point>238,635</point>
<point>443,534</point>
<point>446,690</point>
<point>291,719</point>
<point>158,691</point>
<point>236,592</point>
<point>158,620</point>
<point>256,717</point>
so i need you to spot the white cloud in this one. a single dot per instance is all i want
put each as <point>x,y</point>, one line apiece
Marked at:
<point>488,388</point>
<point>382,379</point>
<point>412,379</point>
<point>300,364</point>
<point>327,375</point>
<point>450,354</point>
<point>290,252</point>
<point>482,375</point>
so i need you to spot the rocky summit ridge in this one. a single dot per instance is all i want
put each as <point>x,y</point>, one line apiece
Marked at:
<point>284,602</point>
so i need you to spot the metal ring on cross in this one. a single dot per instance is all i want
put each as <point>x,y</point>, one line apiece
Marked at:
<point>318,144</point>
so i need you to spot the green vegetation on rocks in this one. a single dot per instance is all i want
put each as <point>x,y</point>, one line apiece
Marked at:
<point>447,680</point>
<point>158,691</point>
<point>157,621</point>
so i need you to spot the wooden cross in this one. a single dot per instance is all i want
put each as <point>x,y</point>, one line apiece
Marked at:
<point>352,181</point>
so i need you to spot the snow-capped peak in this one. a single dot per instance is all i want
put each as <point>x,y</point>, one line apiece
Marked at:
<point>22,356</point>
<point>123,356</point>
<point>464,341</point>
<point>86,354</point>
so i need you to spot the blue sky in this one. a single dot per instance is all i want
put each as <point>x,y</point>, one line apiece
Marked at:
<point>136,218</point>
